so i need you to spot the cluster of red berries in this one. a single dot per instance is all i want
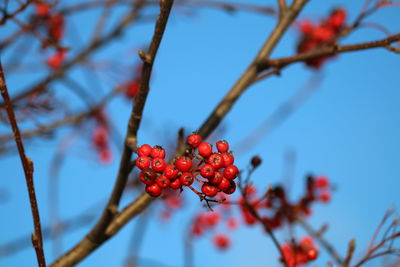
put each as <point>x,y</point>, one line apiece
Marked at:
<point>297,254</point>
<point>209,221</point>
<point>215,168</point>
<point>278,208</point>
<point>323,33</point>
<point>55,27</point>
<point>100,137</point>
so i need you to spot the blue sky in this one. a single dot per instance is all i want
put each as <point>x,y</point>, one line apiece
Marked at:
<point>348,130</point>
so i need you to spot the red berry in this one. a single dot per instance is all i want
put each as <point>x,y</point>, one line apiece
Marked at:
<point>55,61</point>
<point>231,172</point>
<point>100,137</point>
<point>183,164</point>
<point>186,178</point>
<point>42,9</point>
<point>175,184</point>
<point>216,161</point>
<point>228,159</point>
<point>312,254</point>
<point>337,19</point>
<point>143,162</point>
<point>205,149</point>
<point>212,218</point>
<point>171,171</point>
<point>224,184</point>
<point>105,155</point>
<point>322,33</point>
<point>56,27</point>
<point>207,171</point>
<point>209,190</point>
<point>147,176</point>
<point>216,179</point>
<point>221,241</point>
<point>222,146</point>
<point>144,150</point>
<point>163,181</point>
<point>232,223</point>
<point>158,164</point>
<point>325,196</point>
<point>193,140</point>
<point>250,190</point>
<point>153,190</point>
<point>157,152</point>
<point>306,242</point>
<point>306,27</point>
<point>231,189</point>
<point>321,182</point>
<point>131,88</point>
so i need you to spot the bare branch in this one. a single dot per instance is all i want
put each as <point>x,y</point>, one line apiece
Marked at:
<point>327,51</point>
<point>27,164</point>
<point>100,232</point>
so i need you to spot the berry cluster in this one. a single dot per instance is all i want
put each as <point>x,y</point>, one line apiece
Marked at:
<point>278,207</point>
<point>215,168</point>
<point>301,253</point>
<point>100,137</point>
<point>320,34</point>
<point>55,26</point>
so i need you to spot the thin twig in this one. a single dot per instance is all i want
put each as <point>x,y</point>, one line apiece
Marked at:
<point>27,164</point>
<point>350,252</point>
<point>327,51</point>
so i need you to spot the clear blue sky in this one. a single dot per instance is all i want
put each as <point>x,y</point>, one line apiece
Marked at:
<point>348,130</point>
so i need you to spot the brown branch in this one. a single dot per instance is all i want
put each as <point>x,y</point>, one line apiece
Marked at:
<point>282,7</point>
<point>27,164</point>
<point>21,8</point>
<point>250,74</point>
<point>100,232</point>
<point>328,51</point>
<point>350,252</point>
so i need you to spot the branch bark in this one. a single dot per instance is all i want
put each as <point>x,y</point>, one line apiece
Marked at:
<point>27,164</point>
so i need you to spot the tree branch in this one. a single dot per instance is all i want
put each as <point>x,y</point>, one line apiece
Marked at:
<point>250,74</point>
<point>27,164</point>
<point>327,51</point>
<point>100,233</point>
